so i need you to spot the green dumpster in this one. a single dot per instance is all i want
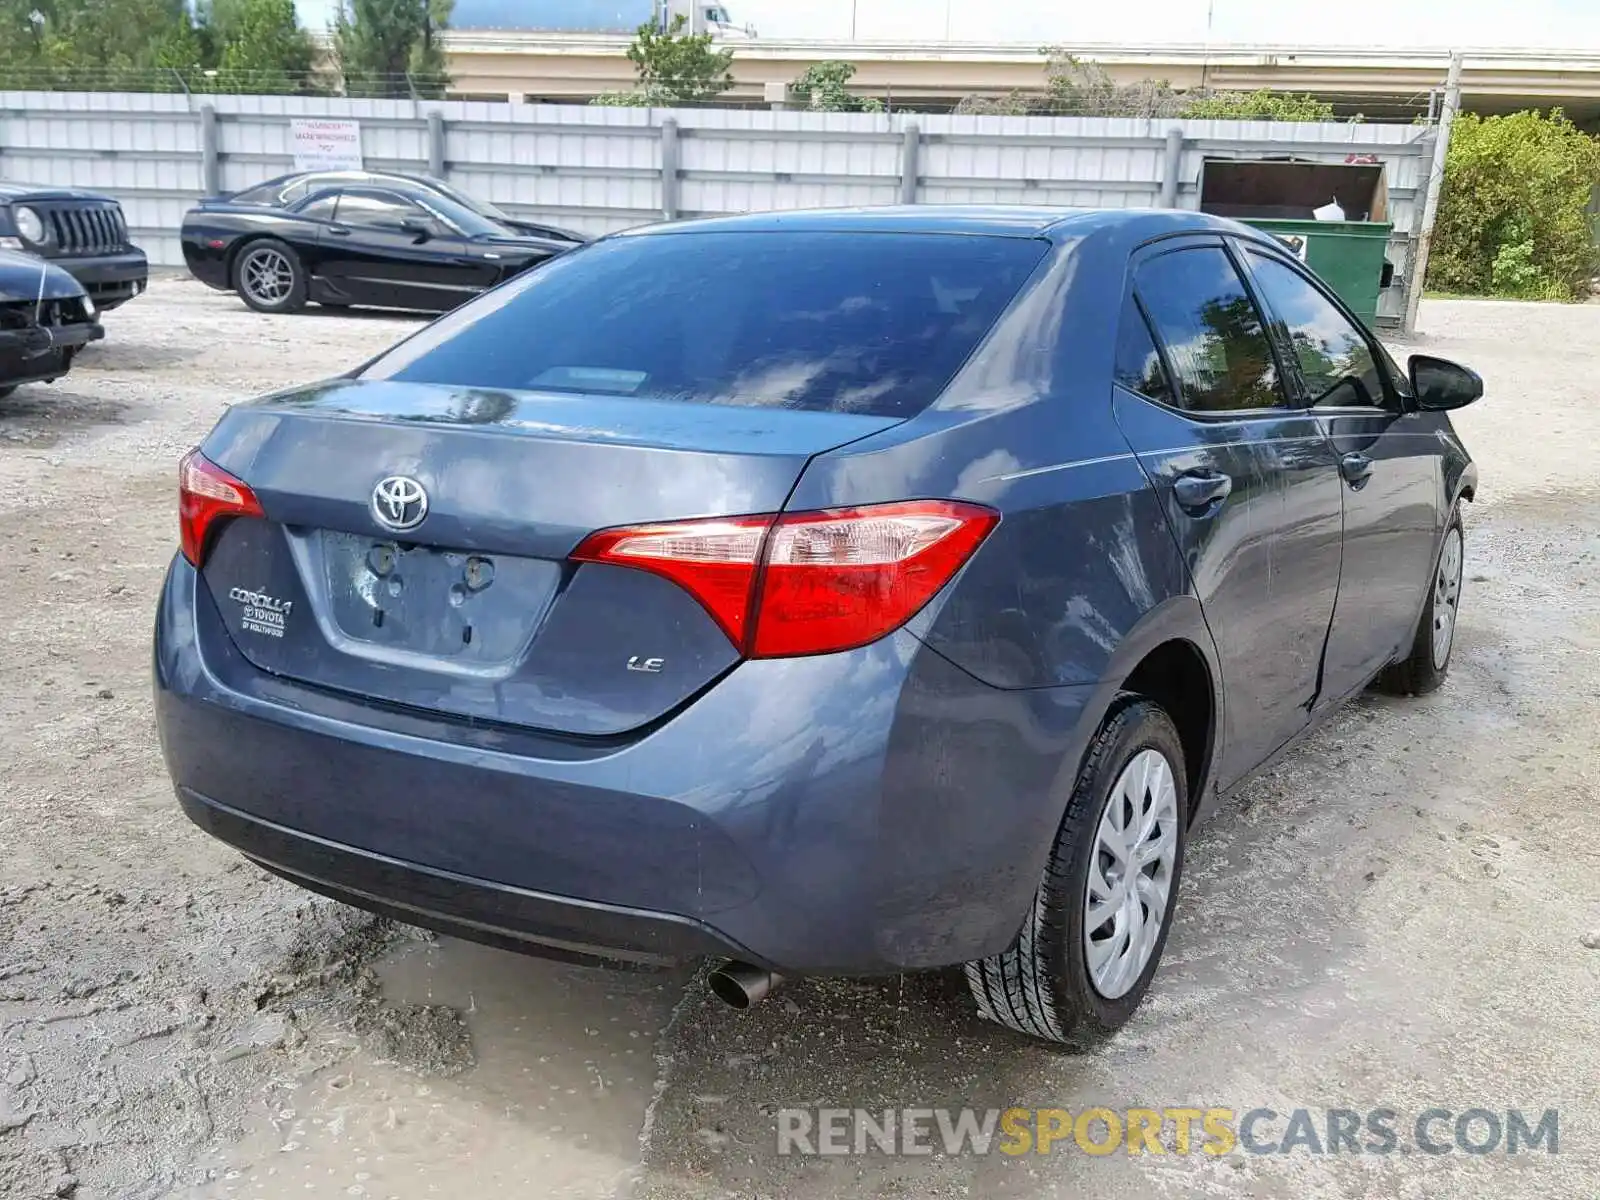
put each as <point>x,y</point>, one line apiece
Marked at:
<point>1348,255</point>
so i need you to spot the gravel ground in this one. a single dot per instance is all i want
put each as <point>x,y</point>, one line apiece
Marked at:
<point>1396,916</point>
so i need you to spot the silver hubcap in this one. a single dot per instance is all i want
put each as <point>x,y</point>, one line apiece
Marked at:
<point>267,276</point>
<point>1130,874</point>
<point>1446,596</point>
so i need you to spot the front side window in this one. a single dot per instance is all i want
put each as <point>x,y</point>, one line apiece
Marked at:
<point>319,208</point>
<point>376,210</point>
<point>1212,332</point>
<point>1335,360</point>
<point>874,323</point>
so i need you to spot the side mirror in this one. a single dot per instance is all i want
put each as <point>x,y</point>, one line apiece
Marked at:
<point>1440,385</point>
<point>418,228</point>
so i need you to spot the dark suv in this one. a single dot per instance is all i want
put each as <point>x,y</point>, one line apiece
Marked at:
<point>82,233</point>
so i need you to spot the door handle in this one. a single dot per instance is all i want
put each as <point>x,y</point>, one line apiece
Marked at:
<point>1356,469</point>
<point>1199,490</point>
<point>338,232</point>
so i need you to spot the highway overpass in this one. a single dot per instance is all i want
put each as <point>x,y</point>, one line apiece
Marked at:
<point>1384,84</point>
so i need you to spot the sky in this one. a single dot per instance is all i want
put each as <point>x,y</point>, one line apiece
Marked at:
<point>1474,24</point>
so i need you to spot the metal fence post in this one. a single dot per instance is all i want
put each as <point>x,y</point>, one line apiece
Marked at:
<point>1171,166</point>
<point>910,162</point>
<point>670,178</point>
<point>210,160</point>
<point>1417,275</point>
<point>436,143</point>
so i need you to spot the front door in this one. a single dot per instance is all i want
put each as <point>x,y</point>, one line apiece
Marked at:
<point>1392,464</point>
<point>383,249</point>
<point>1250,485</point>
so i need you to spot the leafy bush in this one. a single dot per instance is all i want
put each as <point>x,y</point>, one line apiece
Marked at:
<point>1012,104</point>
<point>1513,217</point>
<point>679,65</point>
<point>822,87</point>
<point>1263,104</point>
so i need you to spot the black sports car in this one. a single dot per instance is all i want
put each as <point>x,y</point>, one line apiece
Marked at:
<point>344,238</point>
<point>45,319</point>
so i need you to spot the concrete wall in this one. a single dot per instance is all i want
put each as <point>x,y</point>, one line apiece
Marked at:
<point>602,169</point>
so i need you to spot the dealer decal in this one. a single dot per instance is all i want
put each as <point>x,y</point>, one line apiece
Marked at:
<point>262,613</point>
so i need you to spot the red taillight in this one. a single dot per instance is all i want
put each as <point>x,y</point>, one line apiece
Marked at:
<point>208,494</point>
<point>810,582</point>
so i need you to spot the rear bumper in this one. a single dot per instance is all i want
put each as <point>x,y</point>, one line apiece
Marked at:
<point>515,918</point>
<point>860,813</point>
<point>110,279</point>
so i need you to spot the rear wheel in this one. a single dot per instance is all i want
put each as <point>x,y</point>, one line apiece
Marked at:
<point>1423,670</point>
<point>1100,919</point>
<point>269,277</point>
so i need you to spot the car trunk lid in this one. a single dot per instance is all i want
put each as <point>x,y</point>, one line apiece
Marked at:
<point>476,610</point>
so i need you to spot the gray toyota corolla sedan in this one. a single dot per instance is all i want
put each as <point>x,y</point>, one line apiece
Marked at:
<point>827,593</point>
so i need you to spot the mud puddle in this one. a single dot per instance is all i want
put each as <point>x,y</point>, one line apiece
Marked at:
<point>548,1099</point>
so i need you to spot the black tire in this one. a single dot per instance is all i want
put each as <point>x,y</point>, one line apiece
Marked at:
<point>1042,986</point>
<point>286,266</point>
<point>1422,670</point>
<point>7,388</point>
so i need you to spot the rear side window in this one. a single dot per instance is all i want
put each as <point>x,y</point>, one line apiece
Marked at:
<point>873,323</point>
<point>1139,366</point>
<point>1211,330</point>
<point>264,193</point>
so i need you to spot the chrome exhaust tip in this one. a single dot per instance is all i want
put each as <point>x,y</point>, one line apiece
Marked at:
<point>739,985</point>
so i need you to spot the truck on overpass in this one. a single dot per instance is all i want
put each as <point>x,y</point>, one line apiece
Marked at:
<point>597,16</point>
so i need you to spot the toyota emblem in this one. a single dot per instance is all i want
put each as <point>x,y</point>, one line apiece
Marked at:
<point>399,502</point>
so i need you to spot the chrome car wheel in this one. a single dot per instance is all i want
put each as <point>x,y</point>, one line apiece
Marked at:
<point>1130,874</point>
<point>1446,596</point>
<point>267,276</point>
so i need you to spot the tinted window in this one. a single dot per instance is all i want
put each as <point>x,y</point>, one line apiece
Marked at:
<point>871,323</point>
<point>1335,360</point>
<point>320,208</point>
<point>380,210</point>
<point>1139,366</point>
<point>264,193</point>
<point>295,192</point>
<point>1211,330</point>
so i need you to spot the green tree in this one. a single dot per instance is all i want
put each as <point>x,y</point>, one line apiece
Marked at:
<point>822,87</point>
<point>95,43</point>
<point>257,46</point>
<point>675,67</point>
<point>1513,217</point>
<point>1263,104</point>
<point>392,47</point>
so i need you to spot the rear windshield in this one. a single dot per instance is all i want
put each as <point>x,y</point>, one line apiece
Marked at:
<point>874,323</point>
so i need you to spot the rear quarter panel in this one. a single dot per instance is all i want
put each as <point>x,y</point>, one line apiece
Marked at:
<point>1083,553</point>
<point>212,264</point>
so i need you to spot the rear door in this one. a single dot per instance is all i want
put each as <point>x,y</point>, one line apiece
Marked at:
<point>1249,482</point>
<point>1392,466</point>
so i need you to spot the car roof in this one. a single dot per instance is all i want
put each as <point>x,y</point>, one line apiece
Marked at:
<point>1018,221</point>
<point>390,179</point>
